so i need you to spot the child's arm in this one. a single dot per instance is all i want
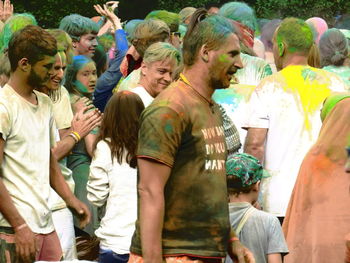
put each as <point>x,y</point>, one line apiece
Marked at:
<point>274,258</point>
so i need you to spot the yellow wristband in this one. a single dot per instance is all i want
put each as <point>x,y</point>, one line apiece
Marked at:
<point>17,228</point>
<point>77,135</point>
<point>233,239</point>
<point>74,137</point>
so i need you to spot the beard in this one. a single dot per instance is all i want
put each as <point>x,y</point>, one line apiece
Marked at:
<point>35,81</point>
<point>219,83</point>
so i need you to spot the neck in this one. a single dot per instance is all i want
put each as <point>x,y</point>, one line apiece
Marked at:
<point>199,79</point>
<point>145,85</point>
<point>20,85</point>
<point>296,60</point>
<point>249,198</point>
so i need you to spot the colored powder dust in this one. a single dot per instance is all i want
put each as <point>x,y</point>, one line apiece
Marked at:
<point>310,85</point>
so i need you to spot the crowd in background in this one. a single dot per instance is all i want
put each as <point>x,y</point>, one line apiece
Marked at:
<point>207,135</point>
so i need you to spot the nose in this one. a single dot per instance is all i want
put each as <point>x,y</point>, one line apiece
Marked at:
<point>94,42</point>
<point>238,62</point>
<point>167,77</point>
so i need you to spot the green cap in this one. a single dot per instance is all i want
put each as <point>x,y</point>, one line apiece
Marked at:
<point>245,167</point>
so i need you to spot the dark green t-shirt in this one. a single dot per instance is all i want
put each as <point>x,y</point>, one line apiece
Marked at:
<point>181,129</point>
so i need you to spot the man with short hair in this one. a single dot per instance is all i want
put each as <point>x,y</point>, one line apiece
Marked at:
<point>285,113</point>
<point>29,169</point>
<point>83,32</point>
<point>183,212</point>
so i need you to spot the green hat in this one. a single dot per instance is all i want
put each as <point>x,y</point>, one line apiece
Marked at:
<point>330,103</point>
<point>245,167</point>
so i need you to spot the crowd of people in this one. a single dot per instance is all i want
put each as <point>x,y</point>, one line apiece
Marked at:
<point>204,136</point>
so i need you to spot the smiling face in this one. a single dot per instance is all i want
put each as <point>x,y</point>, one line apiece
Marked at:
<point>224,63</point>
<point>157,76</point>
<point>86,78</point>
<point>86,45</point>
<point>41,72</point>
<point>58,72</point>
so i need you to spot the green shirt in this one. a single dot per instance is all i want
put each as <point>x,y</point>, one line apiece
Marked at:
<point>184,131</point>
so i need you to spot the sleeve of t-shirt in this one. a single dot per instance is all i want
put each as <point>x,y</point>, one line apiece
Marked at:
<point>63,110</point>
<point>160,134</point>
<point>257,113</point>
<point>277,242</point>
<point>5,121</point>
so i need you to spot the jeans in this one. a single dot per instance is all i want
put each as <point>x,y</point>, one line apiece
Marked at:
<point>108,256</point>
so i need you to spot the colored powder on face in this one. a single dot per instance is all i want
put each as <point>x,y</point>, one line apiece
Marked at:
<point>223,58</point>
<point>81,87</point>
<point>310,85</point>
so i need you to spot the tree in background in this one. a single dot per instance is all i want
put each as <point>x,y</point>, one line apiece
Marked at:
<point>50,12</point>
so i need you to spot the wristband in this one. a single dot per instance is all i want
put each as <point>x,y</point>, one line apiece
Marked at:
<point>17,228</point>
<point>77,135</point>
<point>233,239</point>
<point>74,137</point>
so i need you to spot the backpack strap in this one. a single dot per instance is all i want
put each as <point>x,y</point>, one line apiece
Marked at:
<point>244,219</point>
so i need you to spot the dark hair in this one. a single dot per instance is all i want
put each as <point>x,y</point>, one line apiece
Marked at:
<point>211,31</point>
<point>33,43</point>
<point>234,185</point>
<point>120,126</point>
<point>100,59</point>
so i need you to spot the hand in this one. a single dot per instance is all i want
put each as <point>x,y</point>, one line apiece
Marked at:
<point>81,103</point>
<point>6,10</point>
<point>83,123</point>
<point>109,15</point>
<point>112,5</point>
<point>239,252</point>
<point>25,245</point>
<point>80,210</point>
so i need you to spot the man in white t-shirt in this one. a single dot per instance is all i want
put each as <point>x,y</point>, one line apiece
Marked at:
<point>158,69</point>
<point>29,169</point>
<point>285,113</point>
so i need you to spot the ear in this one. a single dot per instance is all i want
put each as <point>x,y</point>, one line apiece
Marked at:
<point>143,69</point>
<point>281,49</point>
<point>204,54</point>
<point>23,64</point>
<point>256,186</point>
<point>74,43</point>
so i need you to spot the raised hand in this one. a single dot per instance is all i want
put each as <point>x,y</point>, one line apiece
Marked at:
<point>110,15</point>
<point>6,10</point>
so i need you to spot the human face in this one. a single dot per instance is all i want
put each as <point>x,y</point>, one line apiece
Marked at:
<point>157,76</point>
<point>41,72</point>
<point>86,45</point>
<point>224,63</point>
<point>58,72</point>
<point>87,77</point>
<point>175,39</point>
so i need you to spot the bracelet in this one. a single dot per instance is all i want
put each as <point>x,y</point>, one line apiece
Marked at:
<point>77,135</point>
<point>233,239</point>
<point>17,228</point>
<point>74,137</point>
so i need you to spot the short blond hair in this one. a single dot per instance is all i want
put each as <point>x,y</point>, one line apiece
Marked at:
<point>161,51</point>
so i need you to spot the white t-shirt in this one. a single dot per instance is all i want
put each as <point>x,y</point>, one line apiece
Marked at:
<point>115,185</point>
<point>63,115</point>
<point>235,99</point>
<point>288,104</point>
<point>29,134</point>
<point>144,95</point>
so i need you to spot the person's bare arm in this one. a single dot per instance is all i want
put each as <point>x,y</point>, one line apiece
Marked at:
<point>237,251</point>
<point>255,142</point>
<point>58,183</point>
<point>153,177</point>
<point>24,237</point>
<point>82,123</point>
<point>274,258</point>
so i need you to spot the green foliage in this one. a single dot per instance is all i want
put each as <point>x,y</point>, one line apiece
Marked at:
<point>50,12</point>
